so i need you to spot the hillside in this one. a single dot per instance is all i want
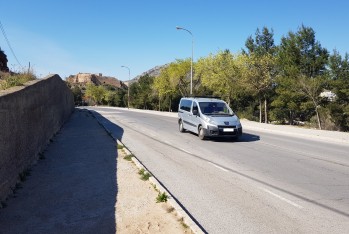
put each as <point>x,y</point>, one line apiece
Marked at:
<point>155,71</point>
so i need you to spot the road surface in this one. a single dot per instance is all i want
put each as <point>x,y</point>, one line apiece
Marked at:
<point>266,182</point>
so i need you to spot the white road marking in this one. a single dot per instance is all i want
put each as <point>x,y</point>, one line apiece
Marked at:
<point>221,168</point>
<point>282,198</point>
<point>186,151</point>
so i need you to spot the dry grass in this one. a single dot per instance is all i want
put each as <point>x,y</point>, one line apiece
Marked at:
<point>8,80</point>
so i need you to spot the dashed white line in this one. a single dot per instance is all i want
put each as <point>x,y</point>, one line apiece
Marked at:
<point>219,167</point>
<point>282,198</point>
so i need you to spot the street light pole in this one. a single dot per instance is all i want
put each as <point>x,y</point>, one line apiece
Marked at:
<point>128,88</point>
<point>192,55</point>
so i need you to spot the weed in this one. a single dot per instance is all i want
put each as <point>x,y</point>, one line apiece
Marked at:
<point>162,197</point>
<point>156,189</point>
<point>119,146</point>
<point>170,209</point>
<point>181,220</point>
<point>128,157</point>
<point>144,174</point>
<point>141,171</point>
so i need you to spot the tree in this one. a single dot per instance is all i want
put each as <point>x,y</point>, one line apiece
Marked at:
<point>262,44</point>
<point>311,88</point>
<point>302,61</point>
<point>258,76</point>
<point>338,69</point>
<point>163,87</point>
<point>142,93</point>
<point>179,76</point>
<point>173,81</point>
<point>77,95</point>
<point>260,69</point>
<point>221,73</point>
<point>95,93</point>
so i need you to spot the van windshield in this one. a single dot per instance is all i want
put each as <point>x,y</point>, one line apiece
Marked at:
<point>215,108</point>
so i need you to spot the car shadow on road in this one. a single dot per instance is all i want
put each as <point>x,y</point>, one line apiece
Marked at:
<point>245,137</point>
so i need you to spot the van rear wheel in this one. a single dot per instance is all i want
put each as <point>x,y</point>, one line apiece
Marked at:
<point>181,128</point>
<point>201,133</point>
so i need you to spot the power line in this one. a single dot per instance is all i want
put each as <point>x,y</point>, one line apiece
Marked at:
<point>8,43</point>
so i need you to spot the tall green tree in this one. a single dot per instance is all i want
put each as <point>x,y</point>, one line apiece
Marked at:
<point>302,61</point>
<point>258,76</point>
<point>221,73</point>
<point>260,63</point>
<point>338,69</point>
<point>141,92</point>
<point>173,81</point>
<point>262,43</point>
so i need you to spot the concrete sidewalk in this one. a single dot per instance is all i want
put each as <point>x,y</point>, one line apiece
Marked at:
<point>73,189</point>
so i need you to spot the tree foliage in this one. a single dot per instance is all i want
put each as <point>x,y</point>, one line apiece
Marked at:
<point>302,62</point>
<point>221,73</point>
<point>142,93</point>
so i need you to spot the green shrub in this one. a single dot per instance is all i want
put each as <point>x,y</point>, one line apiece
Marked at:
<point>10,80</point>
<point>162,197</point>
<point>128,157</point>
<point>144,174</point>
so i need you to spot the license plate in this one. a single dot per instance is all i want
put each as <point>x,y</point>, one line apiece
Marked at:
<point>228,129</point>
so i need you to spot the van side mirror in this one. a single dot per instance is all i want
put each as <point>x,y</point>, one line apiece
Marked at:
<point>195,112</point>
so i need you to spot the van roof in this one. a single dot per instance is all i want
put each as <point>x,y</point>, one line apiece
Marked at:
<point>204,99</point>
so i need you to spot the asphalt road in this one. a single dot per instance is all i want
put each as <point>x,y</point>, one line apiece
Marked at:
<point>266,182</point>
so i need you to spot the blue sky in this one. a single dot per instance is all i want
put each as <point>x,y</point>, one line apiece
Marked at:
<point>71,36</point>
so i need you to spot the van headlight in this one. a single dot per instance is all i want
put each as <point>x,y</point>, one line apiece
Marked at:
<point>238,125</point>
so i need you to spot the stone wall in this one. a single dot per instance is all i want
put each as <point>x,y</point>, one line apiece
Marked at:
<point>29,117</point>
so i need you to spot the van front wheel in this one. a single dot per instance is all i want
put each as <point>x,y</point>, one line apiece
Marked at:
<point>181,128</point>
<point>201,133</point>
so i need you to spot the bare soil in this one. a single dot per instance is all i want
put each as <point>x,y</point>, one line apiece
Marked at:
<point>136,208</point>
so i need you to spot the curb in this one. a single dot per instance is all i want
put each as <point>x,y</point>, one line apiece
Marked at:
<point>180,211</point>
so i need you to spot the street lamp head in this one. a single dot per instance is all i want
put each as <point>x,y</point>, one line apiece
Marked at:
<point>178,28</point>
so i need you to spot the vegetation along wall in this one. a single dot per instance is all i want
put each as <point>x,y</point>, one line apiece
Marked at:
<point>29,116</point>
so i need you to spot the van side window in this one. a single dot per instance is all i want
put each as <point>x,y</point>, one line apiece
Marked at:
<point>185,105</point>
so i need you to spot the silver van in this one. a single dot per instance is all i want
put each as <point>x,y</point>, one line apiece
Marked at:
<point>208,117</point>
